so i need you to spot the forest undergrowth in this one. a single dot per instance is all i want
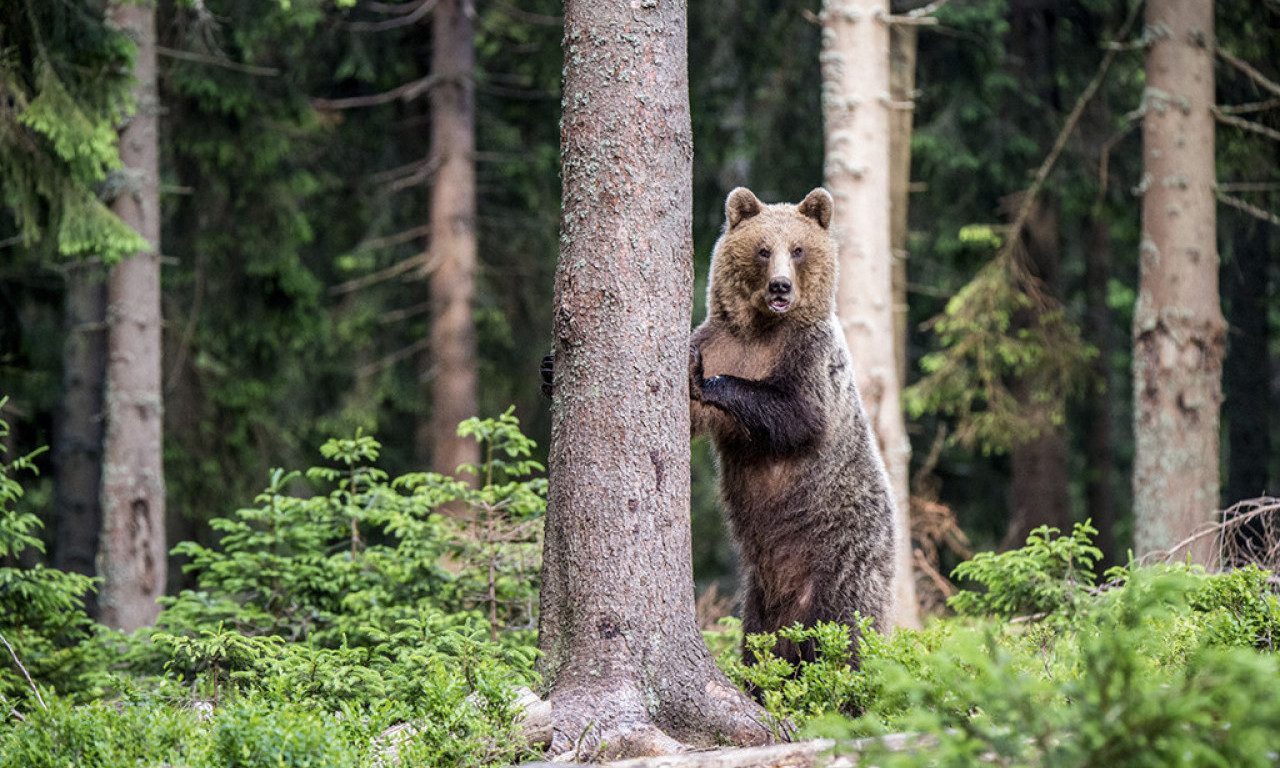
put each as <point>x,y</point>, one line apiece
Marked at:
<point>343,601</point>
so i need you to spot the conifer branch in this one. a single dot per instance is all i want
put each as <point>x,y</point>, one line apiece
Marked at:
<point>25,674</point>
<point>1042,174</point>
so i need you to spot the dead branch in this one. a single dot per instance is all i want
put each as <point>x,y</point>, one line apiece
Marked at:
<point>420,261</point>
<point>1250,107</point>
<point>409,15</point>
<point>200,58</point>
<point>25,674</point>
<point>944,586</point>
<point>1264,511</point>
<point>1042,174</point>
<point>1248,208</point>
<point>1247,125</point>
<point>1244,67</point>
<point>800,754</point>
<point>407,92</point>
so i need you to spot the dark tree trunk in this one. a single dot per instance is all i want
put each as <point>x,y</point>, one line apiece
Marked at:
<point>1038,495</point>
<point>1247,372</point>
<point>133,551</point>
<point>449,373</point>
<point>1178,329</point>
<point>1100,455</point>
<point>625,666</point>
<point>77,455</point>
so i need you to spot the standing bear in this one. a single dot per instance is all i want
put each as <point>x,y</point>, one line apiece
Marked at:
<point>770,380</point>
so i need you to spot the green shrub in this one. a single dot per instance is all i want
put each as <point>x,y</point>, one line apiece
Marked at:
<point>99,735</point>
<point>41,609</point>
<point>1051,575</point>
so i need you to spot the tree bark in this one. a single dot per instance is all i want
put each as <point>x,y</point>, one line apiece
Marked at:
<point>1178,329</point>
<point>1038,492</point>
<point>624,662</point>
<point>449,372</point>
<point>855,98</point>
<point>77,455</point>
<point>902,87</point>
<point>133,550</point>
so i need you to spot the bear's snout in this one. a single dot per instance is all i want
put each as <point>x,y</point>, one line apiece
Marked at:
<point>780,294</point>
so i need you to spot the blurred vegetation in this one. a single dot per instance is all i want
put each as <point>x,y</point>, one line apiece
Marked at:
<point>340,601</point>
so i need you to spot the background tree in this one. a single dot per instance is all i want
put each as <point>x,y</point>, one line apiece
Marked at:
<point>133,554</point>
<point>625,665</point>
<point>856,109</point>
<point>1178,329</point>
<point>450,370</point>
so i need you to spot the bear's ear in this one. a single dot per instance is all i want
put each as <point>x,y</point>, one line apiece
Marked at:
<point>742,204</point>
<point>817,205</point>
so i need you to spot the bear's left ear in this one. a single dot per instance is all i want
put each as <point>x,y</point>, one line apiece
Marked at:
<point>817,205</point>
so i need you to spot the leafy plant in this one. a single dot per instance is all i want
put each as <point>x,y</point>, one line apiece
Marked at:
<point>1048,576</point>
<point>791,693</point>
<point>42,617</point>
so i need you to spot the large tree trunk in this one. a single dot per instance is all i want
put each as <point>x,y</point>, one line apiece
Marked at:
<point>625,665</point>
<point>855,87</point>
<point>449,372</point>
<point>133,550</point>
<point>77,455</point>
<point>1178,328</point>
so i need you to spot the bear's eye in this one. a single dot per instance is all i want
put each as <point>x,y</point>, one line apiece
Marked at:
<point>797,253</point>
<point>763,254</point>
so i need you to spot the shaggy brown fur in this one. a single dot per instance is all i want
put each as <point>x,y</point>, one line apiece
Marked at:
<point>801,479</point>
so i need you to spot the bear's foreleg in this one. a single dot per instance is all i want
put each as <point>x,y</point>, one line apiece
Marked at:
<point>776,416</point>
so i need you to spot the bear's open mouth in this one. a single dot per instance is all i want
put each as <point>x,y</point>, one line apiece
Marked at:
<point>780,303</point>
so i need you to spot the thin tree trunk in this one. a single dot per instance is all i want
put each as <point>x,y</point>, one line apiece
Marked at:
<point>77,456</point>
<point>855,89</point>
<point>625,665</point>
<point>1178,328</point>
<point>449,373</point>
<point>1247,376</point>
<point>133,550</point>
<point>902,86</point>
<point>1038,492</point>
<point>1100,452</point>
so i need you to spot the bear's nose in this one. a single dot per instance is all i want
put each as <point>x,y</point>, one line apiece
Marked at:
<point>779,286</point>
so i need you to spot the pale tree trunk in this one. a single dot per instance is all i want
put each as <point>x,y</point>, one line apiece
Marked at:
<point>625,665</point>
<point>132,552</point>
<point>77,454</point>
<point>902,86</point>
<point>1178,329</point>
<point>449,370</point>
<point>856,107</point>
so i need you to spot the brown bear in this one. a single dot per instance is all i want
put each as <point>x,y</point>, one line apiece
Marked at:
<point>801,479</point>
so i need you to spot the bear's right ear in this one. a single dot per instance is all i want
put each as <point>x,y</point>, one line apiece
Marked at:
<point>742,204</point>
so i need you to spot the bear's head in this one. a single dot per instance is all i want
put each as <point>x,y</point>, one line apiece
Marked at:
<point>773,262</point>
